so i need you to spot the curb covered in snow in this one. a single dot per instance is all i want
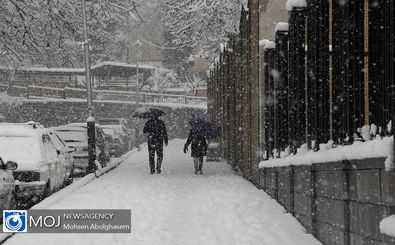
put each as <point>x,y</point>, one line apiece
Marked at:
<point>59,195</point>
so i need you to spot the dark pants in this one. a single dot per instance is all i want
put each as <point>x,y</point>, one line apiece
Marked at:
<point>158,148</point>
<point>198,162</point>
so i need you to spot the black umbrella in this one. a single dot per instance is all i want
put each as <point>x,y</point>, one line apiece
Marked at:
<point>147,112</point>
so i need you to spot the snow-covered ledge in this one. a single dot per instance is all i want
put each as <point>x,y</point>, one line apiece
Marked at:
<point>295,4</point>
<point>387,226</point>
<point>377,148</point>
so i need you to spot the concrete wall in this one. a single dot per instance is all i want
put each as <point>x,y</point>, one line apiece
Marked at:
<point>339,203</point>
<point>52,114</point>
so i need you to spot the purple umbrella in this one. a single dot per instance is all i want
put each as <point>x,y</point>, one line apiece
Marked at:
<point>203,127</point>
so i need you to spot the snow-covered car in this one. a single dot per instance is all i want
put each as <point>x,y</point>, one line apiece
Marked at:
<point>120,136</point>
<point>117,148</point>
<point>67,152</point>
<point>122,133</point>
<point>76,135</point>
<point>7,186</point>
<point>41,166</point>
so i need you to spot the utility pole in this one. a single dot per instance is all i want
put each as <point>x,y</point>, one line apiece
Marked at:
<point>90,120</point>
<point>137,70</point>
<point>137,87</point>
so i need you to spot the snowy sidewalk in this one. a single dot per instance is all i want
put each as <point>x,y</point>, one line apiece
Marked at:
<point>179,207</point>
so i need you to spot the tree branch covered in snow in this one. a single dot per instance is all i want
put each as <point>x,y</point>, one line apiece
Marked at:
<point>42,31</point>
<point>202,23</point>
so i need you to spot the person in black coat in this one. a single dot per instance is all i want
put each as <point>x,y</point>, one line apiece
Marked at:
<point>198,150</point>
<point>157,134</point>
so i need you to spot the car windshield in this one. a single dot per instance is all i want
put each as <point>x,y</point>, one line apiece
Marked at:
<point>115,130</point>
<point>20,149</point>
<point>110,122</point>
<point>109,131</point>
<point>72,136</point>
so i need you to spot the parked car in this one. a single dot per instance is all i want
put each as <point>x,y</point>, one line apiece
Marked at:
<point>76,135</point>
<point>102,144</point>
<point>7,186</point>
<point>42,168</point>
<point>67,151</point>
<point>118,129</point>
<point>117,147</point>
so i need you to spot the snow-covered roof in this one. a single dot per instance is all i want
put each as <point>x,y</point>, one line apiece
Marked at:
<point>282,26</point>
<point>47,70</point>
<point>120,64</point>
<point>295,4</point>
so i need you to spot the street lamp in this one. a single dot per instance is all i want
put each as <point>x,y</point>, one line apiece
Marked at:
<point>91,119</point>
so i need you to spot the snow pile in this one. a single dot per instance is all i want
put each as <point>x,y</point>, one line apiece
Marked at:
<point>359,150</point>
<point>295,4</point>
<point>267,44</point>
<point>282,26</point>
<point>387,226</point>
<point>263,42</point>
<point>270,45</point>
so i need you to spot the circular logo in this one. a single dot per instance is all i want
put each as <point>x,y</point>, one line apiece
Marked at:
<point>13,222</point>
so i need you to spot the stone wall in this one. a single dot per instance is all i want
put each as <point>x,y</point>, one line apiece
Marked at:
<point>339,202</point>
<point>52,114</point>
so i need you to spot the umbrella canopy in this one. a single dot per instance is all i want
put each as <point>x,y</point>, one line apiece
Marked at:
<point>148,112</point>
<point>204,127</point>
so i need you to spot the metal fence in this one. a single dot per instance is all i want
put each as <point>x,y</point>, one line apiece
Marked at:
<point>105,95</point>
<point>338,73</point>
<point>233,92</point>
<point>329,74</point>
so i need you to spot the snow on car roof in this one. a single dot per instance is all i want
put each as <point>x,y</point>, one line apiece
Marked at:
<point>21,143</point>
<point>21,130</point>
<point>69,128</point>
<point>83,125</point>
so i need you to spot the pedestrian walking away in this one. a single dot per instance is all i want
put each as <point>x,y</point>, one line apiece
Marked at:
<point>198,150</point>
<point>157,135</point>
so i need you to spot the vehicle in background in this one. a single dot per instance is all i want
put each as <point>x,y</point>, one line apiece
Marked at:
<point>113,121</point>
<point>76,135</point>
<point>117,127</point>
<point>67,152</point>
<point>77,138</point>
<point>102,145</point>
<point>117,147</point>
<point>41,166</point>
<point>120,136</point>
<point>7,186</point>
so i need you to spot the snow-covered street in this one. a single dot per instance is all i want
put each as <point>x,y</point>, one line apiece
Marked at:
<point>178,207</point>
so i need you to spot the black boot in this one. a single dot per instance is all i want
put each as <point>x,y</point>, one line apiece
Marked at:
<point>152,170</point>
<point>158,170</point>
<point>200,169</point>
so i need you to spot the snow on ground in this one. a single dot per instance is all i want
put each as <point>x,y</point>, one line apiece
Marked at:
<point>179,207</point>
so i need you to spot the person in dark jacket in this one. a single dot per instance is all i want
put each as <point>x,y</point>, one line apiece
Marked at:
<point>157,134</point>
<point>198,150</point>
